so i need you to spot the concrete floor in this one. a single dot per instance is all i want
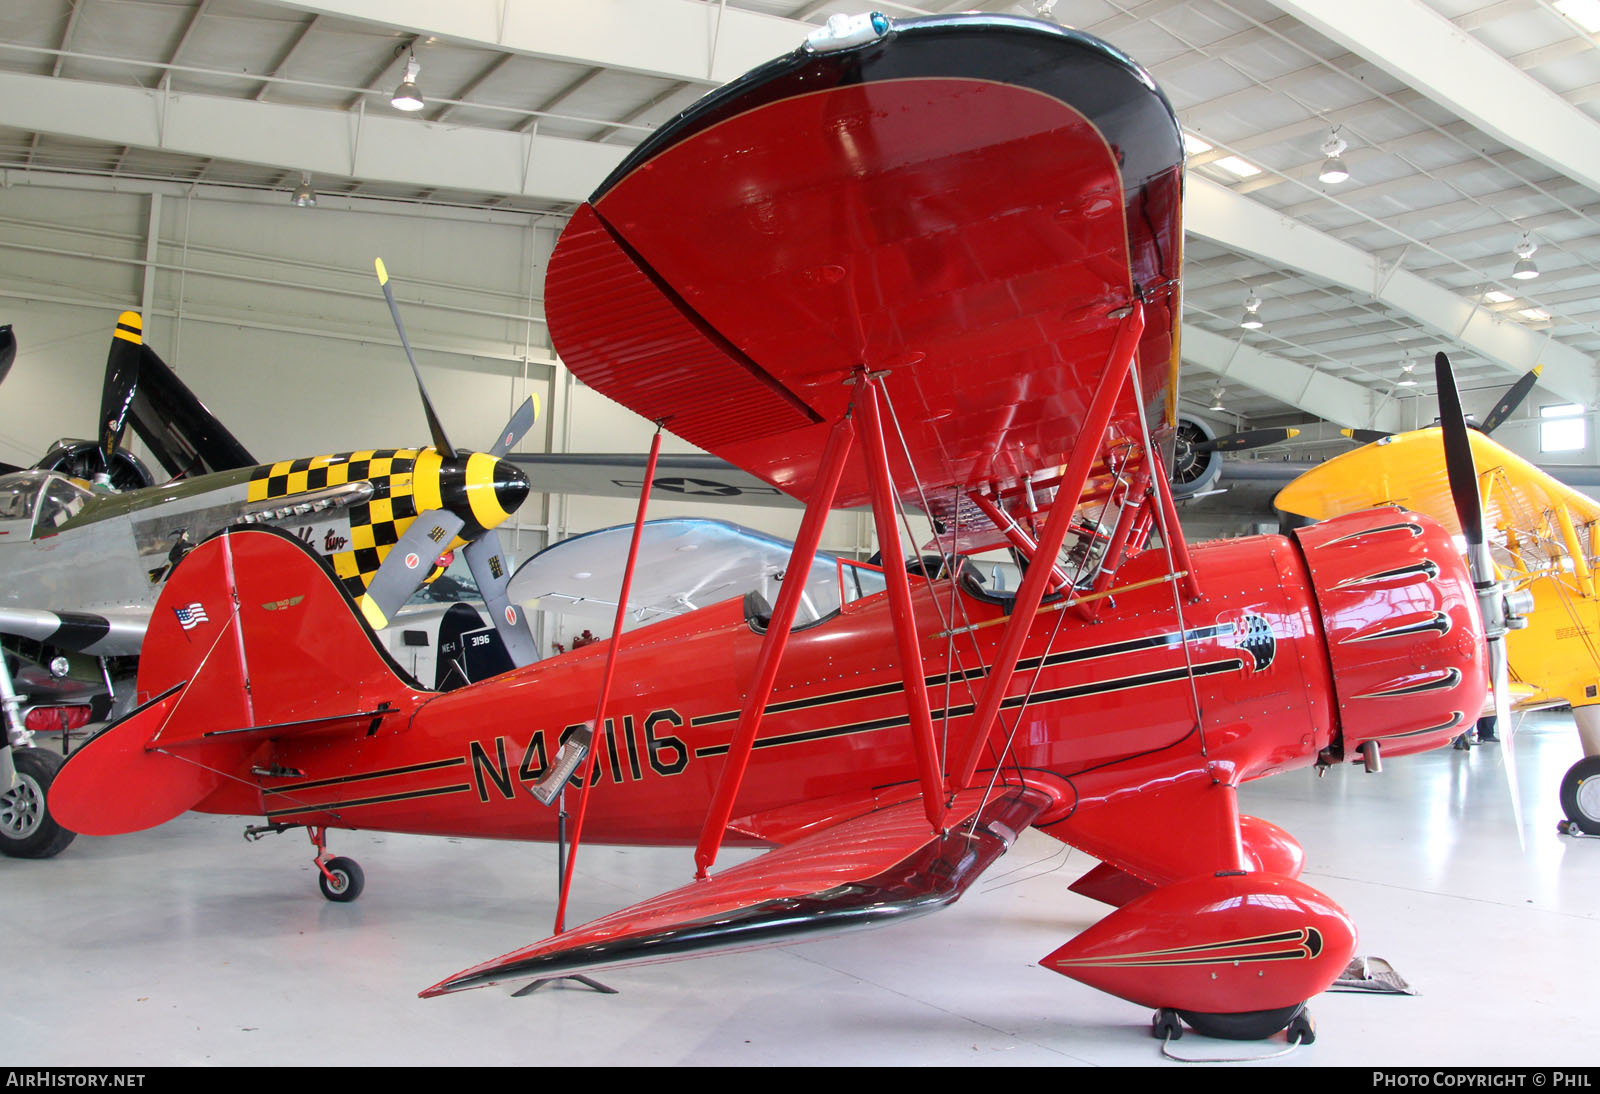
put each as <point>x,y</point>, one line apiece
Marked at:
<point>185,945</point>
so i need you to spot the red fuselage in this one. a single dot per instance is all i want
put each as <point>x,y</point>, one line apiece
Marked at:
<point>1238,684</point>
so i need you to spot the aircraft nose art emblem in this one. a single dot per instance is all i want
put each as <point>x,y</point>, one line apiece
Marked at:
<point>1258,640</point>
<point>191,615</point>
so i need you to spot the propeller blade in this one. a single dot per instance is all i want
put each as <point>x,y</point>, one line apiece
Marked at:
<point>122,380</point>
<point>519,424</point>
<point>1459,464</point>
<point>8,350</point>
<point>408,562</point>
<point>1366,436</point>
<point>492,571</point>
<point>440,442</point>
<point>1500,668</point>
<point>1249,438</point>
<point>1511,399</point>
<point>1463,474</point>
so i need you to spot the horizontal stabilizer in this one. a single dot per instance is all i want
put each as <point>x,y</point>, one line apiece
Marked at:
<point>863,872</point>
<point>116,783</point>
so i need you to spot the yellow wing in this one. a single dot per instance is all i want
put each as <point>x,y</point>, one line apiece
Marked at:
<point>1542,533</point>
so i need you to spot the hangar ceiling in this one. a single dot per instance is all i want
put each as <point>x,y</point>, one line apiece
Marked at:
<point>1469,126</point>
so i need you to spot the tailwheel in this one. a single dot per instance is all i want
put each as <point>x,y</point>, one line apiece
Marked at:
<point>341,879</point>
<point>1253,1025</point>
<point>1580,795</point>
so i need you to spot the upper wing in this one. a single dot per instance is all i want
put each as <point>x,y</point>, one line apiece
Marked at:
<point>967,204</point>
<point>859,872</point>
<point>104,634</point>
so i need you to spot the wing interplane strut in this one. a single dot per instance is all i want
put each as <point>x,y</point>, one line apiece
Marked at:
<point>773,645</point>
<point>605,682</point>
<point>1031,593</point>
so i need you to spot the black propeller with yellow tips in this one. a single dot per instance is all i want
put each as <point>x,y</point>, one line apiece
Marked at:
<point>1496,417</point>
<point>1247,438</point>
<point>1196,454</point>
<point>142,393</point>
<point>8,349</point>
<point>475,492</point>
<point>8,354</point>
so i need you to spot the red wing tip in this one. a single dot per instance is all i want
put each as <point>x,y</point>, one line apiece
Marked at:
<point>448,986</point>
<point>452,984</point>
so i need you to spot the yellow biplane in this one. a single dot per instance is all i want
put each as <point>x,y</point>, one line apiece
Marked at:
<point>1542,537</point>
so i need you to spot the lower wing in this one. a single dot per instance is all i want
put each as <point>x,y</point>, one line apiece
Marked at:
<point>866,871</point>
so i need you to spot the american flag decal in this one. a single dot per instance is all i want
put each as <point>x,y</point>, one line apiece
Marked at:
<point>191,615</point>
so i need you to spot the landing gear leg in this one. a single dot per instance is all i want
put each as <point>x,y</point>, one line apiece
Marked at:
<point>340,879</point>
<point>16,734</point>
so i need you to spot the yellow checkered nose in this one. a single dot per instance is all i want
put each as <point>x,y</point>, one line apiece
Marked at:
<point>482,490</point>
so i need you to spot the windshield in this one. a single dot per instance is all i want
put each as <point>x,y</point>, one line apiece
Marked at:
<point>61,501</point>
<point>17,495</point>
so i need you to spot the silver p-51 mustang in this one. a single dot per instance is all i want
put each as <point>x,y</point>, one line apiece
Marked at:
<point>87,538</point>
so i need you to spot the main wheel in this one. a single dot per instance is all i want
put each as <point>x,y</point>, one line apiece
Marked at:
<point>1580,794</point>
<point>26,828</point>
<point>1250,1025</point>
<point>345,884</point>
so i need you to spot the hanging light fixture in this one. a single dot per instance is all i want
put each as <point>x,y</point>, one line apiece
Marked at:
<point>1407,379</point>
<point>406,97</point>
<point>1250,320</point>
<point>1216,400</point>
<point>1333,168</point>
<point>304,196</point>
<point>1525,270</point>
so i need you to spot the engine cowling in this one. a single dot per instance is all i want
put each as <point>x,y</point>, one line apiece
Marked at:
<point>1403,631</point>
<point>82,460</point>
<point>1196,466</point>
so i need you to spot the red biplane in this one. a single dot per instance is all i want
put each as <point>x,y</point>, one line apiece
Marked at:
<point>936,263</point>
